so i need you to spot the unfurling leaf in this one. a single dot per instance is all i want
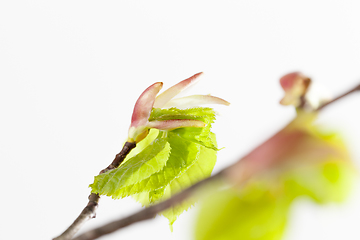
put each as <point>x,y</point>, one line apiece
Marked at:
<point>197,135</point>
<point>140,121</point>
<point>182,155</point>
<point>249,214</point>
<point>174,148</point>
<point>164,164</point>
<point>192,159</point>
<point>151,160</point>
<point>199,170</point>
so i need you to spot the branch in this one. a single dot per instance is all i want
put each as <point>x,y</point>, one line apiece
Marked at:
<point>119,158</point>
<point>357,88</point>
<point>149,212</point>
<point>90,210</point>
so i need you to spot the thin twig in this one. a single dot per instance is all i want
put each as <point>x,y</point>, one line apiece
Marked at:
<point>149,212</point>
<point>119,158</point>
<point>90,210</point>
<point>357,88</point>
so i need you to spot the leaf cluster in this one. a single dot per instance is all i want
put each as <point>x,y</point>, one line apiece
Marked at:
<point>165,162</point>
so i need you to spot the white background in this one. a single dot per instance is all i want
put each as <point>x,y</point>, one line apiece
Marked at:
<point>71,71</point>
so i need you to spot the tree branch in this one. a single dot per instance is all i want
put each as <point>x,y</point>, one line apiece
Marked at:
<point>90,210</point>
<point>153,210</point>
<point>357,88</point>
<point>149,212</point>
<point>119,158</point>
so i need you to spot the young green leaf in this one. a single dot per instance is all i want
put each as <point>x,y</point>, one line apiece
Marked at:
<point>164,162</point>
<point>260,210</point>
<point>200,170</point>
<point>328,181</point>
<point>184,144</point>
<point>195,164</point>
<point>140,124</point>
<point>183,155</point>
<point>197,135</point>
<point>252,213</point>
<point>151,160</point>
<point>153,134</point>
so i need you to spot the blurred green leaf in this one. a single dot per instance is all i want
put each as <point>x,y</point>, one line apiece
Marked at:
<point>299,161</point>
<point>253,213</point>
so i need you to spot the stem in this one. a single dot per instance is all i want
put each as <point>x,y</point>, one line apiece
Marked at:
<point>149,212</point>
<point>87,213</point>
<point>357,88</point>
<point>90,210</point>
<point>119,158</point>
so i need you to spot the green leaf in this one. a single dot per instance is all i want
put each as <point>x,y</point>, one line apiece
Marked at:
<point>200,170</point>
<point>328,181</point>
<point>197,168</point>
<point>197,135</point>
<point>253,213</point>
<point>259,211</point>
<point>322,169</point>
<point>183,155</point>
<point>319,169</point>
<point>153,134</point>
<point>165,162</point>
<point>197,113</point>
<point>151,160</point>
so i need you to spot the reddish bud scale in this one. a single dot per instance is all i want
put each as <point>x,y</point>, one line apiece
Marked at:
<point>287,81</point>
<point>144,105</point>
<point>167,95</point>
<point>295,86</point>
<point>140,123</point>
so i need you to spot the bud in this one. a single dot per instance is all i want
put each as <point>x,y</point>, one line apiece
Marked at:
<point>140,124</point>
<point>295,86</point>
